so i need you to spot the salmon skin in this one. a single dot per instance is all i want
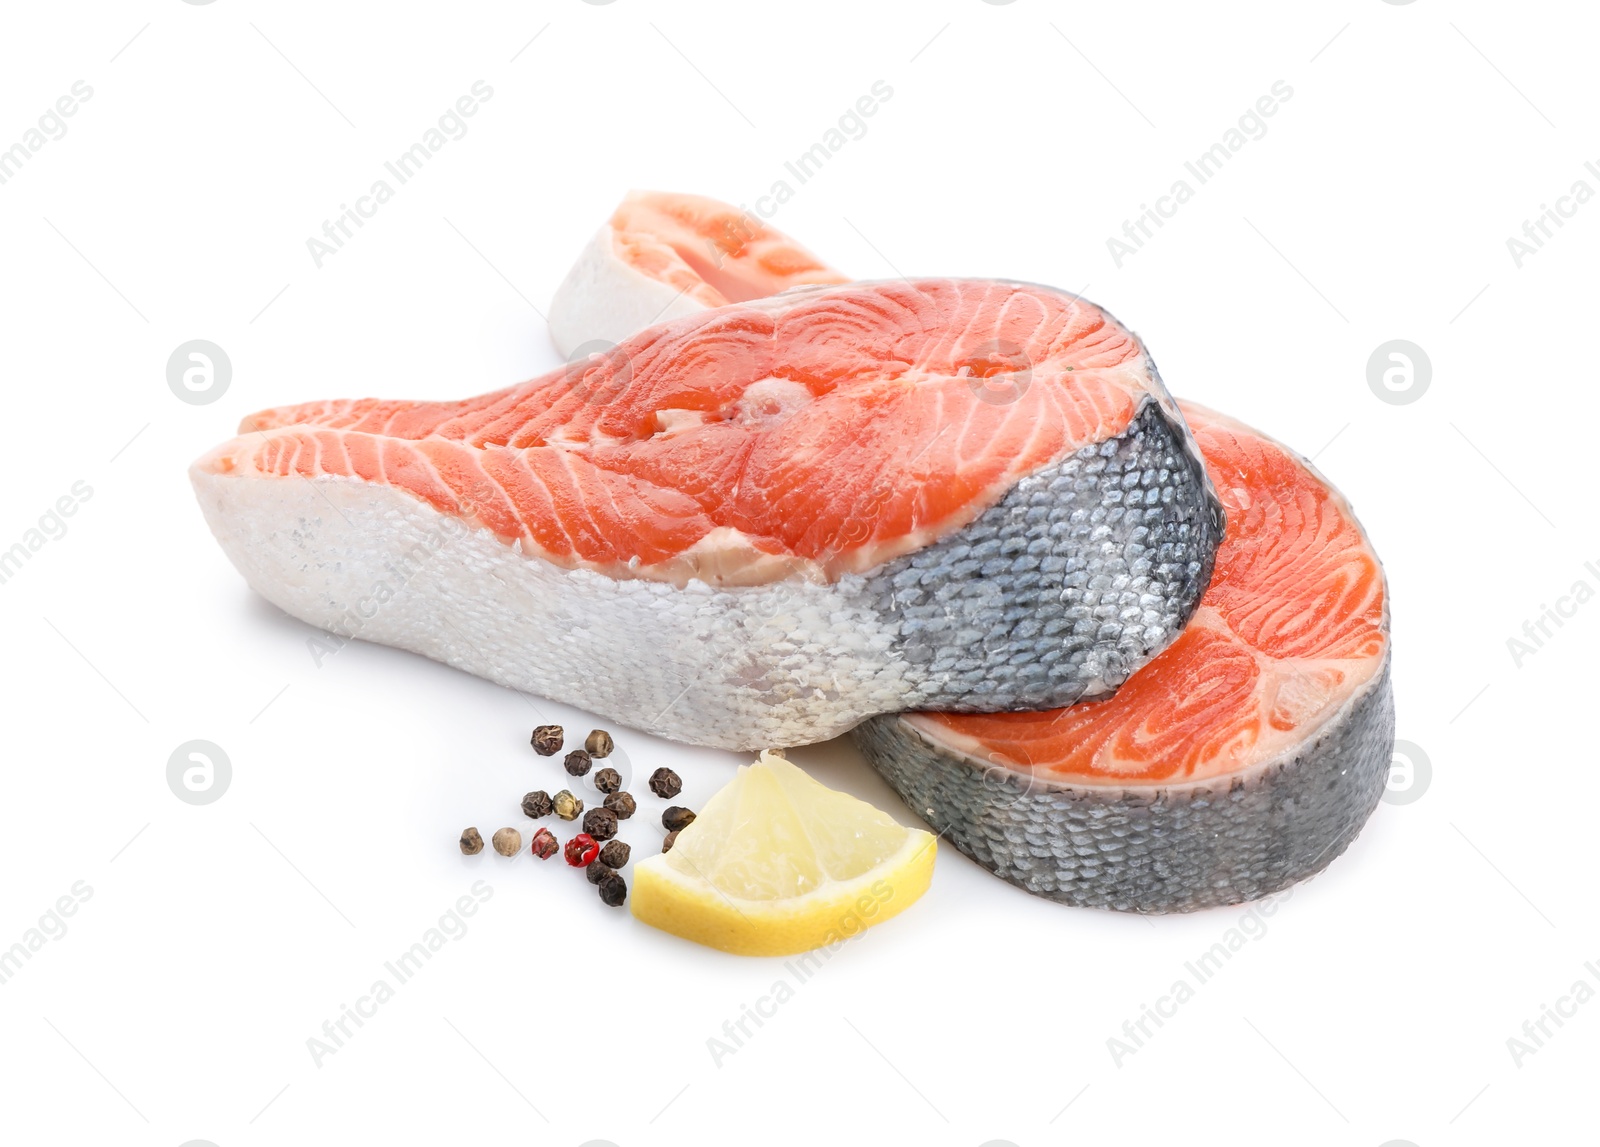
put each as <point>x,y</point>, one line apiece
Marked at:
<point>1245,757</point>
<point>761,523</point>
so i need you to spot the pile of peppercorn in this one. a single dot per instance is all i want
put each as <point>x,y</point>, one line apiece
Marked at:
<point>595,849</point>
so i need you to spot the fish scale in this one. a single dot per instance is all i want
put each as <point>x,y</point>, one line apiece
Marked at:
<point>1173,850</point>
<point>1066,586</point>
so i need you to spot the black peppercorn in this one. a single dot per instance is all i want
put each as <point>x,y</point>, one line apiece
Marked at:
<point>614,854</point>
<point>578,762</point>
<point>607,780</point>
<point>613,890</point>
<point>665,783</point>
<point>668,841</point>
<point>547,740</point>
<point>471,842</point>
<point>600,823</point>
<point>598,871</point>
<point>676,817</point>
<point>537,804</point>
<point>599,743</point>
<point>622,804</point>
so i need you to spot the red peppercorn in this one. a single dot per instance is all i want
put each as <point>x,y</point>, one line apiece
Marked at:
<point>581,850</point>
<point>544,844</point>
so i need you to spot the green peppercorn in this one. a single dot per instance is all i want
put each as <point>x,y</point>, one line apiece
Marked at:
<point>599,743</point>
<point>547,740</point>
<point>537,804</point>
<point>676,818</point>
<point>600,823</point>
<point>607,780</point>
<point>578,762</point>
<point>471,842</point>
<point>668,841</point>
<point>598,871</point>
<point>613,890</point>
<point>665,783</point>
<point>614,854</point>
<point>622,804</point>
<point>566,805</point>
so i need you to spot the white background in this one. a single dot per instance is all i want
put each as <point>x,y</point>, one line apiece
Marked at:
<point>218,939</point>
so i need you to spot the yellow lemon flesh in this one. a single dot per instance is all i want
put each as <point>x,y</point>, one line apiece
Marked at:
<point>778,863</point>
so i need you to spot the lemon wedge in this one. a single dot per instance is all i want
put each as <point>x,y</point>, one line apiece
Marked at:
<point>778,863</point>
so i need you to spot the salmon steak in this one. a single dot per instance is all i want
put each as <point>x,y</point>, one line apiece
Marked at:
<point>760,523</point>
<point>1242,759</point>
<point>662,256</point>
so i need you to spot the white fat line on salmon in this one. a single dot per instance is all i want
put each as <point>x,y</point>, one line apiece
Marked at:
<point>451,925</point>
<point>1138,1032</point>
<point>1536,1032</point>
<point>1538,630</point>
<point>1537,230</point>
<point>50,528</point>
<point>1252,125</point>
<point>411,563</point>
<point>52,125</point>
<point>849,926</point>
<point>852,125</point>
<point>52,925</point>
<point>452,125</point>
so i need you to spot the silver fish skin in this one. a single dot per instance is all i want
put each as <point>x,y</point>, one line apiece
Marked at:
<point>1080,575</point>
<point>1153,850</point>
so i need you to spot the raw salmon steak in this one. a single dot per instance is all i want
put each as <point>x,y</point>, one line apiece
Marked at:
<point>662,256</point>
<point>761,523</point>
<point>1243,758</point>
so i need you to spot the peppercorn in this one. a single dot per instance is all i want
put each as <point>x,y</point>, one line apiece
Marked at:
<point>544,844</point>
<point>622,804</point>
<point>537,804</point>
<point>599,743</point>
<point>607,780</point>
<point>600,823</point>
<point>665,783</point>
<point>567,806</point>
<point>547,740</point>
<point>471,842</point>
<point>581,850</point>
<point>598,871</point>
<point>676,817</point>
<point>613,890</point>
<point>507,841</point>
<point>668,841</point>
<point>578,762</point>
